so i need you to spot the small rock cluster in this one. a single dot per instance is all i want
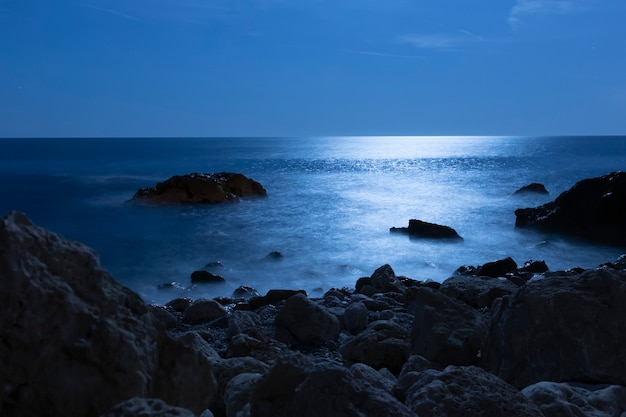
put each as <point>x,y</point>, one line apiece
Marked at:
<point>495,339</point>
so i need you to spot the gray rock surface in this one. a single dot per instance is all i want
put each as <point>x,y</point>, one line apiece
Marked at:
<point>383,344</point>
<point>561,328</point>
<point>445,330</point>
<point>477,291</point>
<point>203,311</point>
<point>425,230</point>
<point>306,387</point>
<point>304,321</point>
<point>466,391</point>
<point>573,400</point>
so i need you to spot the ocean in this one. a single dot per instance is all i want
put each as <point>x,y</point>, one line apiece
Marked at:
<point>330,204</point>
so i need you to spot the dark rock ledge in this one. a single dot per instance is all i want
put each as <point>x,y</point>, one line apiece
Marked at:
<point>73,342</point>
<point>593,209</point>
<point>425,230</point>
<point>223,187</point>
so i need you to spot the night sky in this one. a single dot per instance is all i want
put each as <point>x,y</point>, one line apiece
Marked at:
<point>312,67</point>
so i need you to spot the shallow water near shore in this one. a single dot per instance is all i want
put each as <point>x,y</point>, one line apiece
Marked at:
<point>330,204</point>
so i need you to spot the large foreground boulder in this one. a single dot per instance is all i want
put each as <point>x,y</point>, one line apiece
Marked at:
<point>571,399</point>
<point>594,209</point>
<point>561,328</point>
<point>466,391</point>
<point>425,230</point>
<point>73,342</point>
<point>302,386</point>
<point>224,187</point>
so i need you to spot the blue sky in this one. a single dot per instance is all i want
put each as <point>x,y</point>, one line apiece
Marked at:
<point>312,67</point>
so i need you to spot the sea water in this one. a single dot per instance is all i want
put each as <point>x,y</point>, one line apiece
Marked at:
<point>330,203</point>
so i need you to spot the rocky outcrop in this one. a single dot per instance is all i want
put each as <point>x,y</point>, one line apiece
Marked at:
<point>224,187</point>
<point>425,230</point>
<point>592,209</point>
<point>533,188</point>
<point>445,330</point>
<point>466,391</point>
<point>302,386</point>
<point>571,399</point>
<point>73,341</point>
<point>303,321</point>
<point>152,407</point>
<point>561,328</point>
<point>477,291</point>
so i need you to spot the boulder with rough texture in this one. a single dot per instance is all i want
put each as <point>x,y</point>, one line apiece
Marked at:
<point>466,391</point>
<point>204,311</point>
<point>425,230</point>
<point>498,268</point>
<point>152,407</point>
<point>445,330</point>
<point>62,318</point>
<point>477,291</point>
<point>74,342</point>
<point>533,188</point>
<point>384,280</point>
<point>572,400</point>
<point>384,344</point>
<point>238,393</point>
<point>306,387</point>
<point>561,328</point>
<point>593,209</point>
<point>355,317</point>
<point>195,188</point>
<point>304,321</point>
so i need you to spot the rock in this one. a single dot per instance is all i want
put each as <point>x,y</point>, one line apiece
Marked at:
<point>384,280</point>
<point>242,321</point>
<point>230,368</point>
<point>534,187</point>
<point>592,209</point>
<point>478,291</point>
<point>445,330</point>
<point>206,277</point>
<point>304,321</point>
<point>238,393</point>
<point>245,293</point>
<point>179,304</point>
<point>384,344</point>
<point>409,373</point>
<point>273,297</point>
<point>570,399</point>
<point>61,317</point>
<point>425,230</point>
<point>163,316</point>
<point>560,328</point>
<point>186,373</point>
<point>355,317</point>
<point>535,267</point>
<point>203,311</point>
<point>201,189</point>
<point>466,391</point>
<point>302,386</point>
<point>497,268</point>
<point>151,407</point>
<point>274,256</point>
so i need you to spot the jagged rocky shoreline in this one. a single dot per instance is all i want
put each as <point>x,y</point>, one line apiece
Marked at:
<point>493,340</point>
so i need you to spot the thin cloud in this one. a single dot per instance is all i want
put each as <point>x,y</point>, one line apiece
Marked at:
<point>382,54</point>
<point>526,9</point>
<point>110,11</point>
<point>462,39</point>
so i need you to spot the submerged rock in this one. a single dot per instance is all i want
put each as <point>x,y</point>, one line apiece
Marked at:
<point>592,209</point>
<point>196,188</point>
<point>535,188</point>
<point>206,277</point>
<point>425,230</point>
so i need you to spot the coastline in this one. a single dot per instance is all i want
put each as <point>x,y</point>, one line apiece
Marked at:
<point>510,336</point>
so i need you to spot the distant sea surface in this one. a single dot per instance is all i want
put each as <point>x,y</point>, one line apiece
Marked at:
<point>330,204</point>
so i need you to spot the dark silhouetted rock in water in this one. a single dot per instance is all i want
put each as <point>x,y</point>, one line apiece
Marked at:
<point>224,187</point>
<point>594,209</point>
<point>274,256</point>
<point>421,229</point>
<point>497,268</point>
<point>205,277</point>
<point>535,188</point>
